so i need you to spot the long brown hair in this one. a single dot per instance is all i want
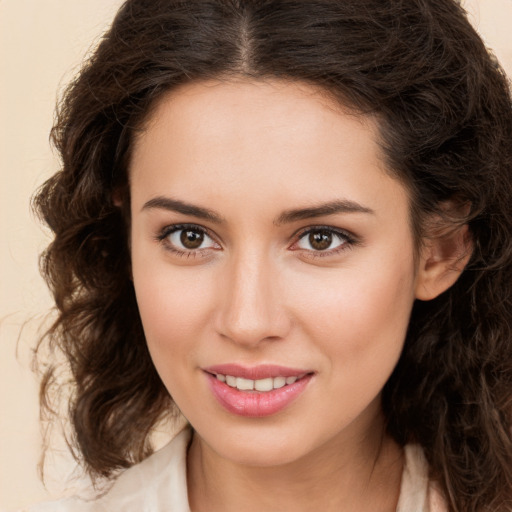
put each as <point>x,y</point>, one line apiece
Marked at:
<point>445,114</point>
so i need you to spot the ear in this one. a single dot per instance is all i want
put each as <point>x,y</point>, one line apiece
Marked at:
<point>443,257</point>
<point>117,197</point>
<point>120,199</point>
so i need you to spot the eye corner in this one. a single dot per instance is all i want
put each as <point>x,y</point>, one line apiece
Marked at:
<point>328,236</point>
<point>175,243</point>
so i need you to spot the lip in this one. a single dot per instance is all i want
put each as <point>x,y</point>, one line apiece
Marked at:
<point>256,404</point>
<point>262,371</point>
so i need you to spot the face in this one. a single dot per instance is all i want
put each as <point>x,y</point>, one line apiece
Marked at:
<point>273,265</point>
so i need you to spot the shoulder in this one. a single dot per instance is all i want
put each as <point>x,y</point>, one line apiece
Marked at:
<point>417,491</point>
<point>73,504</point>
<point>436,500</point>
<point>157,484</point>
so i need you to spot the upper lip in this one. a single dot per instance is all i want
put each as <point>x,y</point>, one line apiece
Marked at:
<point>263,371</point>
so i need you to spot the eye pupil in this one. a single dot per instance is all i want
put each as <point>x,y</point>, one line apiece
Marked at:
<point>320,240</point>
<point>191,239</point>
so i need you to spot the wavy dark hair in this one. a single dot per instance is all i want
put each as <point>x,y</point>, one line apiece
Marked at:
<point>445,116</point>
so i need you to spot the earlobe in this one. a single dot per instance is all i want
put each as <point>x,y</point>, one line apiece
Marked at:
<point>442,260</point>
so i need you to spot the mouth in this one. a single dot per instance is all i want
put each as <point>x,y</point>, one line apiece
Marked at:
<point>261,385</point>
<point>258,391</point>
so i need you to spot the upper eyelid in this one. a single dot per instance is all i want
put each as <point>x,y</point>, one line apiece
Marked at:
<point>171,228</point>
<point>351,241</point>
<point>339,231</point>
<point>298,234</point>
<point>162,238</point>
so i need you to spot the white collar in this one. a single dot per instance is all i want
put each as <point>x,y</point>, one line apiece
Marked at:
<point>159,484</point>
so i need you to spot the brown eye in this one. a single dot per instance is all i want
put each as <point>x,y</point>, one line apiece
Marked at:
<point>320,240</point>
<point>191,239</point>
<point>323,239</point>
<point>188,238</point>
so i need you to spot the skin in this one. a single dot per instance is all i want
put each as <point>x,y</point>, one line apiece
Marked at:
<point>256,291</point>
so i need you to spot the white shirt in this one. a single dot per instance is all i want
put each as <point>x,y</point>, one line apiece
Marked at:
<point>159,484</point>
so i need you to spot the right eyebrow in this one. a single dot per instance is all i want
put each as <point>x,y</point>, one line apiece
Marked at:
<point>174,205</point>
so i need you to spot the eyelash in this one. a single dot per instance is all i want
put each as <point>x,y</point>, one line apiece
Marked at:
<point>348,240</point>
<point>163,238</point>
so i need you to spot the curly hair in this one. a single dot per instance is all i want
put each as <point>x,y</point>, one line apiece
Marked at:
<point>445,115</point>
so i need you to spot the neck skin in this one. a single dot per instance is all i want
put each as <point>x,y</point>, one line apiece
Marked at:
<point>349,473</point>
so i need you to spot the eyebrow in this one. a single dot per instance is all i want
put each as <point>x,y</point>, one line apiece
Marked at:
<point>288,216</point>
<point>174,205</point>
<point>330,208</point>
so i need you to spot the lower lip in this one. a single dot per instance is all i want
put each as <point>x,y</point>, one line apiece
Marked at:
<point>256,404</point>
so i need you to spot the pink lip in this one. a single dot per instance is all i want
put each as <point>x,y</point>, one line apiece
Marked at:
<point>262,371</point>
<point>256,404</point>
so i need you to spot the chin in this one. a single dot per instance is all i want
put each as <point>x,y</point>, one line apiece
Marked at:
<point>261,445</point>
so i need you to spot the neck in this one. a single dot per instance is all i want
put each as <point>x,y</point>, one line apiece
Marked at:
<point>343,475</point>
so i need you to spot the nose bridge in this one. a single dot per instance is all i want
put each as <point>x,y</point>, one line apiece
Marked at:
<point>252,307</point>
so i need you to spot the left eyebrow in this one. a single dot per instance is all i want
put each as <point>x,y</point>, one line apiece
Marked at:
<point>330,208</point>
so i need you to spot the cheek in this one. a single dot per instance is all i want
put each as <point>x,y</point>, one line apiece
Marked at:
<point>174,306</point>
<point>360,316</point>
<point>359,329</point>
<point>174,310</point>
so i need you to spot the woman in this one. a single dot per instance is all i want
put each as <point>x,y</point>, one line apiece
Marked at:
<point>289,221</point>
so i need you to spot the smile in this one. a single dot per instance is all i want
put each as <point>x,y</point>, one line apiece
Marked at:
<point>262,385</point>
<point>256,392</point>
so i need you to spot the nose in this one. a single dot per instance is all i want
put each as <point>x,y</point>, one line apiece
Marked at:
<point>252,307</point>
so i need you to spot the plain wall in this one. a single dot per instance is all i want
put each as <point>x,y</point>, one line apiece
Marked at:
<point>42,43</point>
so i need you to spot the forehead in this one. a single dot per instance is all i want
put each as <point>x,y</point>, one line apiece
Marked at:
<point>282,140</point>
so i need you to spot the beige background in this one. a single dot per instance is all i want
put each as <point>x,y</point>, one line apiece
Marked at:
<point>41,45</point>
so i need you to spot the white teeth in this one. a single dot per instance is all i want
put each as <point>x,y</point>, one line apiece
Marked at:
<point>244,384</point>
<point>267,384</point>
<point>279,382</point>
<point>264,384</point>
